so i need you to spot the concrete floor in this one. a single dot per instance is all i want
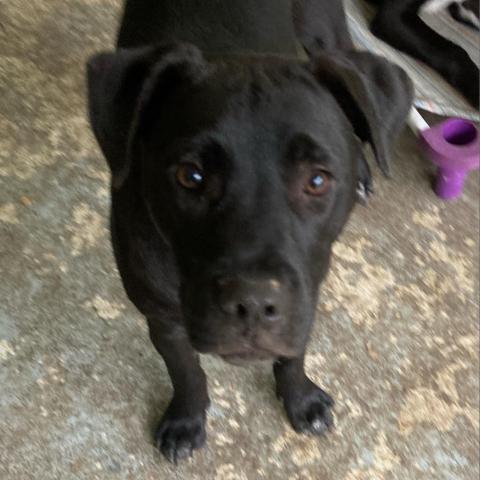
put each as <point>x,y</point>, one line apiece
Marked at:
<point>396,341</point>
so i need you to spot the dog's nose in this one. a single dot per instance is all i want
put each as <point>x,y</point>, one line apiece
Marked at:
<point>250,300</point>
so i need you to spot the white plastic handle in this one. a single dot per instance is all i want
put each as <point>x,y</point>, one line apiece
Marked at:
<point>417,122</point>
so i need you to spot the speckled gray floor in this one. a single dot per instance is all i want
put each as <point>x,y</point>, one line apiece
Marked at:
<point>396,341</point>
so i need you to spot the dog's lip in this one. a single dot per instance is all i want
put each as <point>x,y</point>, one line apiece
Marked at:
<point>252,348</point>
<point>245,350</point>
<point>252,352</point>
<point>246,357</point>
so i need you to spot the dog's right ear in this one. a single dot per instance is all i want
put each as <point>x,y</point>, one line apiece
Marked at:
<point>120,85</point>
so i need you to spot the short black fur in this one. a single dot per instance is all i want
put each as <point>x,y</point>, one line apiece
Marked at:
<point>232,265</point>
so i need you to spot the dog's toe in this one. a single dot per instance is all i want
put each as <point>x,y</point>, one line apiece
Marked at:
<point>177,438</point>
<point>311,412</point>
<point>319,418</point>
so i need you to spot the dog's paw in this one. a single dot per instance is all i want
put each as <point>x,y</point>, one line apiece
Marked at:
<point>178,436</point>
<point>310,411</point>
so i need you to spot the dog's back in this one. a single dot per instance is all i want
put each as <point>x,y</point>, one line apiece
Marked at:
<point>215,26</point>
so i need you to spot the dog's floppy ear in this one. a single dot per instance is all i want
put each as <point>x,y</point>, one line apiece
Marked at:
<point>375,94</point>
<point>120,85</point>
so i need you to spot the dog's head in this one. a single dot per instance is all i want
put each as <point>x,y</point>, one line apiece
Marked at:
<point>248,166</point>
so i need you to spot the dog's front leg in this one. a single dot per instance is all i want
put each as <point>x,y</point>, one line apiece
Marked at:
<point>308,407</point>
<point>182,428</point>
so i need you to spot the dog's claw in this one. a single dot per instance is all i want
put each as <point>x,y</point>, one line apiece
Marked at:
<point>320,421</point>
<point>178,437</point>
<point>183,451</point>
<point>311,413</point>
<point>319,427</point>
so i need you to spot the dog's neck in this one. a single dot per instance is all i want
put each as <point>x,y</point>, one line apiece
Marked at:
<point>219,26</point>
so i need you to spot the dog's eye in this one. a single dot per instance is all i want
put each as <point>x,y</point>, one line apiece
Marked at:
<point>319,183</point>
<point>190,176</point>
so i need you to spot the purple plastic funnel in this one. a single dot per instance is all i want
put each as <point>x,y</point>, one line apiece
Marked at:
<point>454,146</point>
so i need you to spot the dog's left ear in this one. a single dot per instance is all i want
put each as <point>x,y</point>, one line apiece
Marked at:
<point>375,95</point>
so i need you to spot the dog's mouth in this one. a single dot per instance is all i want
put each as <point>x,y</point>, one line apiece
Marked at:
<point>246,357</point>
<point>243,351</point>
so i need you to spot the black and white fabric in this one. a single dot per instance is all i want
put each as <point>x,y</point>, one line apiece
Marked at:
<point>432,92</point>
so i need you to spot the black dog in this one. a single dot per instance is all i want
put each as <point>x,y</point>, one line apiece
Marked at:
<point>397,22</point>
<point>233,171</point>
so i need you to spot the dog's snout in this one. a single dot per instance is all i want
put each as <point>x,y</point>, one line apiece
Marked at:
<point>263,300</point>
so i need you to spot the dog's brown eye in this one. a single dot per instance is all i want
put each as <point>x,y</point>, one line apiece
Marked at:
<point>190,176</point>
<point>318,184</point>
